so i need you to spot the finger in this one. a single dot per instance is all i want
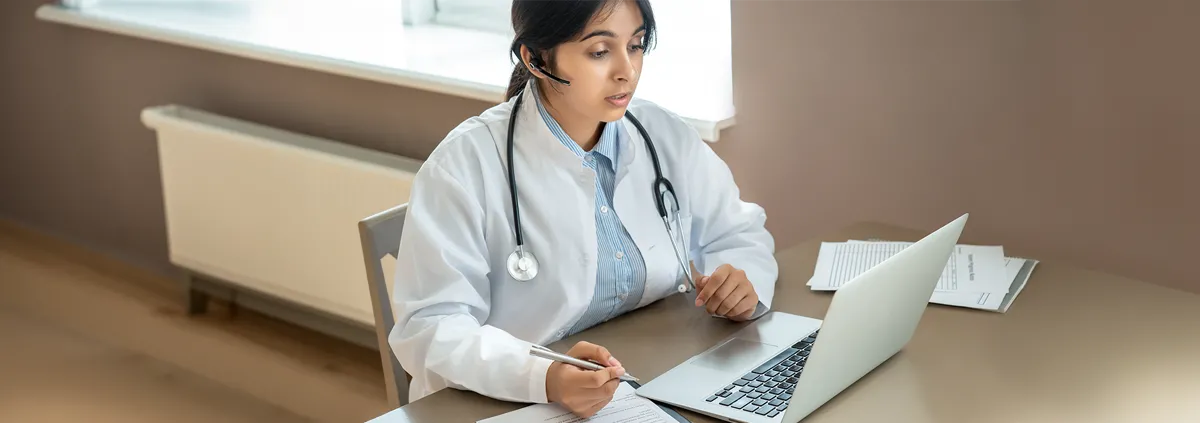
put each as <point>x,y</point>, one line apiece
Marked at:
<point>714,281</point>
<point>731,302</point>
<point>589,351</point>
<point>600,377</point>
<point>745,308</point>
<point>731,285</point>
<point>610,388</point>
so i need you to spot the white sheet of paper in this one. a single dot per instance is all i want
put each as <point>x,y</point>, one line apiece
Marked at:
<point>971,269</point>
<point>625,407</point>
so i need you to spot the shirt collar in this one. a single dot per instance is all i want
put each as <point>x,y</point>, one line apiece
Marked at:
<point>607,146</point>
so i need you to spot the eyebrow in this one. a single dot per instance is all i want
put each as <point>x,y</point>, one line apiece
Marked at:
<point>607,33</point>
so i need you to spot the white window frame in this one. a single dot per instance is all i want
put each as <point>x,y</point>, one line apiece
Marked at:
<point>689,73</point>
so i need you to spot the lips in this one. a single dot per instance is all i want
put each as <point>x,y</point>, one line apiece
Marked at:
<point>619,100</point>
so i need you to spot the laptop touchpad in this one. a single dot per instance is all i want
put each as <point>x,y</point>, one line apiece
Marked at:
<point>736,354</point>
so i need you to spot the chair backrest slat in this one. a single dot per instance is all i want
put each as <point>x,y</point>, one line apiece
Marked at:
<point>380,234</point>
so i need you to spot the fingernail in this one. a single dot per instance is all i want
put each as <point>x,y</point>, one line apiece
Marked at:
<point>699,301</point>
<point>612,361</point>
<point>620,371</point>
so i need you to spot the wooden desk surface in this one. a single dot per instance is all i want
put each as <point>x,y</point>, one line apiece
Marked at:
<point>1076,346</point>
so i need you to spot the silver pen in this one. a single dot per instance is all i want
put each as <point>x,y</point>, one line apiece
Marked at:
<point>543,352</point>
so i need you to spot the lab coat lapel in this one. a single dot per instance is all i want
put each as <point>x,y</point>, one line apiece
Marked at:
<point>634,202</point>
<point>557,204</point>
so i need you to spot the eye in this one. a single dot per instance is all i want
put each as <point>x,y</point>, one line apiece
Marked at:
<point>599,54</point>
<point>638,47</point>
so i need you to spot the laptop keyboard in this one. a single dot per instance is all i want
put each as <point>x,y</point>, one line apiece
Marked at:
<point>767,390</point>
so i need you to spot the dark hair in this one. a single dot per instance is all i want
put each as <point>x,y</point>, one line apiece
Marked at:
<point>541,25</point>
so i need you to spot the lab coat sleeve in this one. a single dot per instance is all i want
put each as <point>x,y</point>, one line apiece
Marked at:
<point>727,230</point>
<point>442,298</point>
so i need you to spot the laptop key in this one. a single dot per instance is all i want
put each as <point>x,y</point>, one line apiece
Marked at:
<point>771,373</point>
<point>741,403</point>
<point>759,402</point>
<point>779,378</point>
<point>773,413</point>
<point>762,378</point>
<point>754,394</point>
<point>723,394</point>
<point>763,389</point>
<point>712,398</point>
<point>785,397</point>
<point>788,373</point>
<point>776,402</point>
<point>764,410</point>
<point>768,396</point>
<point>733,398</point>
<point>740,382</point>
<point>749,376</point>
<point>771,384</point>
<point>776,391</point>
<point>754,384</point>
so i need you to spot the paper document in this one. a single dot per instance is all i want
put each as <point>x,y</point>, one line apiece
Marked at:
<point>971,268</point>
<point>1016,268</point>
<point>625,407</point>
<point>975,277</point>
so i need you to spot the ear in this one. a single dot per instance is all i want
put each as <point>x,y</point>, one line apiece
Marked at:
<point>528,60</point>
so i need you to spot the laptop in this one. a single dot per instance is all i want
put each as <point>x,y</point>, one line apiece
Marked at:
<point>782,367</point>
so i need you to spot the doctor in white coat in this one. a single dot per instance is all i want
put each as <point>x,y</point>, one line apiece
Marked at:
<point>584,179</point>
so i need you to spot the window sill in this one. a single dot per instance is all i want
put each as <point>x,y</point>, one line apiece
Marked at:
<point>447,60</point>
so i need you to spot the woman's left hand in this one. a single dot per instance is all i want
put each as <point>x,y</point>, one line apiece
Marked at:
<point>727,293</point>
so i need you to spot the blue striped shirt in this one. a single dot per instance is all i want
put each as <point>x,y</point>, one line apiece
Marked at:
<point>621,270</point>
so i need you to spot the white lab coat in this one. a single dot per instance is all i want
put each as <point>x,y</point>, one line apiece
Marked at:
<point>463,322</point>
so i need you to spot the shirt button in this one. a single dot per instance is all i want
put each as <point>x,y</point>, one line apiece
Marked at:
<point>603,209</point>
<point>591,158</point>
<point>620,255</point>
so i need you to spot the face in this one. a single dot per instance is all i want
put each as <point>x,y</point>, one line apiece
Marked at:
<point>603,65</point>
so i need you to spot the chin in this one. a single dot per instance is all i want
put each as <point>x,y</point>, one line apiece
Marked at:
<point>613,114</point>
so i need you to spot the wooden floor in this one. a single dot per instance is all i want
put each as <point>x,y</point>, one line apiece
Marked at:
<point>84,338</point>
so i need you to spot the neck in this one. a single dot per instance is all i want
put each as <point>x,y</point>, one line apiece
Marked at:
<point>583,131</point>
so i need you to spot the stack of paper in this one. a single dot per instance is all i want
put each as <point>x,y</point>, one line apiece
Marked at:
<point>976,276</point>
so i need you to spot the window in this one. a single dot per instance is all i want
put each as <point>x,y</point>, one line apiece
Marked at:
<point>485,15</point>
<point>455,47</point>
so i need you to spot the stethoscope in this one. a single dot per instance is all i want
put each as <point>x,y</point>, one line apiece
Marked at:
<point>523,265</point>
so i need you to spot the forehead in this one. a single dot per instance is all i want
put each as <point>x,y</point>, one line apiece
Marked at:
<point>621,16</point>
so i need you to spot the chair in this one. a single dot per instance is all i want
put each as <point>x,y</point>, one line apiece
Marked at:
<point>380,235</point>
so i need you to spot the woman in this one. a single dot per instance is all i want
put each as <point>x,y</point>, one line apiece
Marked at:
<point>587,215</point>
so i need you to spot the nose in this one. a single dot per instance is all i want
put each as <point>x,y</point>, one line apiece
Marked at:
<point>625,68</point>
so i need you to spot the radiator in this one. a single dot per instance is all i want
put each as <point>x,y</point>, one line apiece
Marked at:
<point>271,210</point>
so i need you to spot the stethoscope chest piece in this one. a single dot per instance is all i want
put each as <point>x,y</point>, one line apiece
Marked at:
<point>522,265</point>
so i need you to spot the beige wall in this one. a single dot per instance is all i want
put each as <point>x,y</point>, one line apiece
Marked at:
<point>1063,126</point>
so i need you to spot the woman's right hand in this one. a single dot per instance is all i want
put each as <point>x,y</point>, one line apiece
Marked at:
<point>584,392</point>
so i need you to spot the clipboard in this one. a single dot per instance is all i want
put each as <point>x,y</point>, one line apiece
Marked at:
<point>670,411</point>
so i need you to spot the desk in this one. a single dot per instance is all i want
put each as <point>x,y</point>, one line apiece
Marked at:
<point>1077,346</point>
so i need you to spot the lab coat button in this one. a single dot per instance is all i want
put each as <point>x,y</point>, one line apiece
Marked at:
<point>620,255</point>
<point>603,209</point>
